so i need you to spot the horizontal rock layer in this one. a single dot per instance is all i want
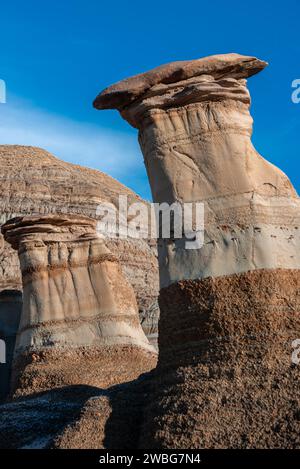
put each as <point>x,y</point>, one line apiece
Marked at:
<point>33,182</point>
<point>229,305</point>
<point>195,134</point>
<point>220,66</point>
<point>225,377</point>
<point>241,232</point>
<point>97,366</point>
<point>76,303</point>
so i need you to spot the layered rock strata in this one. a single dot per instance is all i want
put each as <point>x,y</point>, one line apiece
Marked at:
<point>230,309</point>
<point>34,182</point>
<point>79,321</point>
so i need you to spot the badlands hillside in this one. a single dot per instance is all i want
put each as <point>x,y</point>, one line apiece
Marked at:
<point>225,375</point>
<point>34,182</point>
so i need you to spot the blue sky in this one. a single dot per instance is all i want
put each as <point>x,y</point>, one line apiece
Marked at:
<point>56,56</point>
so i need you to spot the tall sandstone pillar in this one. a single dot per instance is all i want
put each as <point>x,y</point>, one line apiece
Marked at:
<point>79,322</point>
<point>230,310</point>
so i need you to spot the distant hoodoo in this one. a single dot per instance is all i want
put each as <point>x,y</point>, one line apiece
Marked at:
<point>79,322</point>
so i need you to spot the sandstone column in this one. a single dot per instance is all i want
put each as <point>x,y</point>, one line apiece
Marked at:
<point>230,310</point>
<point>79,322</point>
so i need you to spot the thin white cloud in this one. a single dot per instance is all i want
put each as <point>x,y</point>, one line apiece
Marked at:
<point>112,152</point>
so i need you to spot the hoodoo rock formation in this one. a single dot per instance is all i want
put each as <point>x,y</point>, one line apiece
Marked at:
<point>79,322</point>
<point>34,182</point>
<point>229,310</point>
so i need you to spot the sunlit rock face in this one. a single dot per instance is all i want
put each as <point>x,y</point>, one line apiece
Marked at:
<point>35,182</point>
<point>229,310</point>
<point>79,322</point>
<point>195,133</point>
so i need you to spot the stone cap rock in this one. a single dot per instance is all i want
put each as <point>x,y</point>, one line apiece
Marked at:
<point>48,227</point>
<point>126,91</point>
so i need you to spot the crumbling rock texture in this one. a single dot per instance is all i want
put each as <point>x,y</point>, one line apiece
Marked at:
<point>229,310</point>
<point>79,322</point>
<point>225,378</point>
<point>35,421</point>
<point>126,91</point>
<point>230,305</point>
<point>76,417</point>
<point>34,182</point>
<point>110,420</point>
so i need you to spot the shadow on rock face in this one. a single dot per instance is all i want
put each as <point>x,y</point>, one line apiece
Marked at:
<point>10,313</point>
<point>76,417</point>
<point>109,420</point>
<point>127,402</point>
<point>35,421</point>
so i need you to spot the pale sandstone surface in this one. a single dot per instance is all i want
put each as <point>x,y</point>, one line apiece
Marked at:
<point>230,310</point>
<point>224,377</point>
<point>195,134</point>
<point>32,182</point>
<point>79,322</point>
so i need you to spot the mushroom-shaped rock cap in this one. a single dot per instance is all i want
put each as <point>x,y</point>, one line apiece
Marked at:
<point>126,91</point>
<point>52,226</point>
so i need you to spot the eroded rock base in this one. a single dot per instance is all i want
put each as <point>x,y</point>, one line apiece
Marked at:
<point>35,372</point>
<point>76,417</point>
<point>225,377</point>
<point>34,422</point>
<point>111,420</point>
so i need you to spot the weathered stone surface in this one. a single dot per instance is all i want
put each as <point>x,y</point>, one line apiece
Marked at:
<point>229,310</point>
<point>76,417</point>
<point>79,321</point>
<point>225,378</point>
<point>126,91</point>
<point>35,421</point>
<point>196,141</point>
<point>34,182</point>
<point>111,420</point>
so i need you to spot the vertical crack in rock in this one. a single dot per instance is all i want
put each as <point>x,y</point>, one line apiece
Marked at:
<point>229,310</point>
<point>79,322</point>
